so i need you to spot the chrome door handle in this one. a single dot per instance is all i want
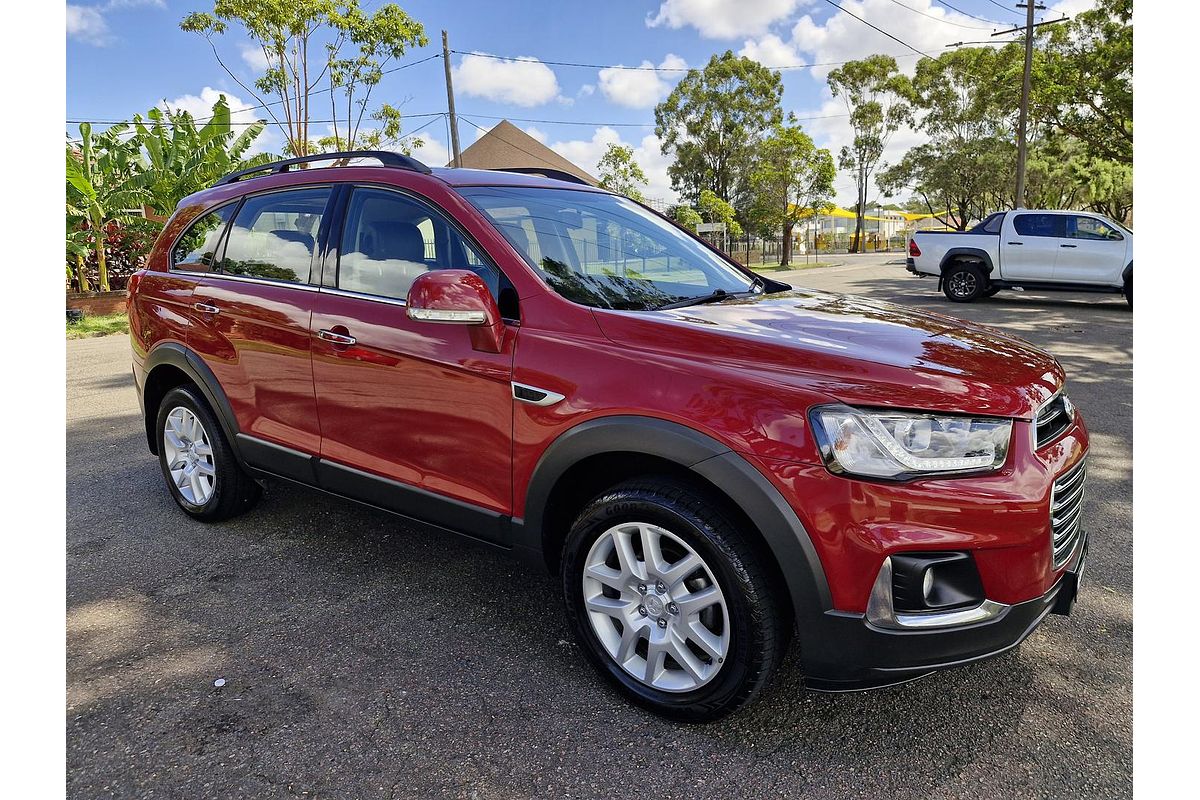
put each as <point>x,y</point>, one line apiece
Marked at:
<point>336,338</point>
<point>205,308</point>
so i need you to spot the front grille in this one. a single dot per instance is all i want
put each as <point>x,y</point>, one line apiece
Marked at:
<point>1066,511</point>
<point>1052,420</point>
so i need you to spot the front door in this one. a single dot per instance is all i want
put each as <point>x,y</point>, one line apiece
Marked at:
<point>1092,252</point>
<point>1029,248</point>
<point>412,417</point>
<point>253,314</point>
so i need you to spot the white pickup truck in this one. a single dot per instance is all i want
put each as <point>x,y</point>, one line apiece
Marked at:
<point>1027,249</point>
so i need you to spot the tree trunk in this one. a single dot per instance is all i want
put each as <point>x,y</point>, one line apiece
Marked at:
<point>101,262</point>
<point>81,273</point>
<point>785,257</point>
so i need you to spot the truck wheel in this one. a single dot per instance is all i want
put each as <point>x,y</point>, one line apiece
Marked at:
<point>963,282</point>
<point>670,603</point>
<point>1129,291</point>
<point>201,471</point>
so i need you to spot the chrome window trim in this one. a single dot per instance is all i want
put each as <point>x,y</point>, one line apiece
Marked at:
<point>225,276</point>
<point>881,611</point>
<point>374,298</point>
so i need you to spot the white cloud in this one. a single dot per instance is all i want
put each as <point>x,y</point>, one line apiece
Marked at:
<point>647,153</point>
<point>642,88</point>
<point>86,24</point>
<point>586,90</point>
<point>722,19</point>
<point>523,81</point>
<point>254,57</point>
<point>431,152</point>
<point>200,107</point>
<point>770,51</point>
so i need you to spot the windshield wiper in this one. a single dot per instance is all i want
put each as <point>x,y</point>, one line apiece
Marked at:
<point>712,297</point>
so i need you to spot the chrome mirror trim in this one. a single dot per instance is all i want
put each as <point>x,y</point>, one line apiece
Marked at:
<point>452,316</point>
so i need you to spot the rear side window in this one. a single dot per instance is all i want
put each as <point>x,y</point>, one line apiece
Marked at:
<point>390,239</point>
<point>196,249</point>
<point>274,235</point>
<point>1037,224</point>
<point>993,223</point>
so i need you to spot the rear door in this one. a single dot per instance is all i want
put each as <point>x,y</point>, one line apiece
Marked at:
<point>1093,252</point>
<point>1029,246</point>
<point>413,418</point>
<point>254,315</point>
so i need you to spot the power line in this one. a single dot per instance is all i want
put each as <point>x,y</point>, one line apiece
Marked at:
<point>943,20</point>
<point>532,60</point>
<point>968,13</point>
<point>1009,9</point>
<point>254,122</point>
<point>877,28</point>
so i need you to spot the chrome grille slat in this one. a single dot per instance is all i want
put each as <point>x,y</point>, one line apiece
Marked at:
<point>1052,421</point>
<point>1066,511</point>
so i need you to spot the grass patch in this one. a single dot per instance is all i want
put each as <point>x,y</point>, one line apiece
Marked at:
<point>98,326</point>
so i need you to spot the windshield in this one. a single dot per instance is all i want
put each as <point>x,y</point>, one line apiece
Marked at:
<point>606,251</point>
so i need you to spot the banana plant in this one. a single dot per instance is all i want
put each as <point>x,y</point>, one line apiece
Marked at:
<point>184,158</point>
<point>106,180</point>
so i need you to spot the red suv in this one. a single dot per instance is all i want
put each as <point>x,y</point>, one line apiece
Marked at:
<point>714,462</point>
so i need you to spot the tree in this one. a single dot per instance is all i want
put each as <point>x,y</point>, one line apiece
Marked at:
<point>712,121</point>
<point>876,95</point>
<point>713,209</point>
<point>1084,84</point>
<point>620,173</point>
<point>791,179</point>
<point>184,159</point>
<point>304,42</point>
<point>686,217</point>
<point>105,182</point>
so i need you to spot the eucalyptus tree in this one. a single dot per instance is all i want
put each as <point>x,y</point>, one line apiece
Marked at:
<point>620,173</point>
<point>877,96</point>
<point>791,179</point>
<point>313,49</point>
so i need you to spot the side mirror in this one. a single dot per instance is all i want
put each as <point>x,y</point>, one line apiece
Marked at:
<point>458,297</point>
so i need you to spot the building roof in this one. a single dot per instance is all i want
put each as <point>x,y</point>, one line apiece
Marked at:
<point>507,147</point>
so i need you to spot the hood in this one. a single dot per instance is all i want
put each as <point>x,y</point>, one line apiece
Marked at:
<point>855,350</point>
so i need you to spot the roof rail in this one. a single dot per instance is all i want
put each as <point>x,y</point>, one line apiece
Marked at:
<point>385,157</point>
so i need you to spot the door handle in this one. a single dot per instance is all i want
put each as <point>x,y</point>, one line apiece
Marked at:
<point>205,308</point>
<point>1018,244</point>
<point>1067,245</point>
<point>336,338</point>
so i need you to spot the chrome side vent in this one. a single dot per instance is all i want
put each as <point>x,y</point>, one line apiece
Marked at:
<point>1066,511</point>
<point>1053,419</point>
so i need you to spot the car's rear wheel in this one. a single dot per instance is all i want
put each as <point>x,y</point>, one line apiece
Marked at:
<point>199,466</point>
<point>964,282</point>
<point>1129,291</point>
<point>670,602</point>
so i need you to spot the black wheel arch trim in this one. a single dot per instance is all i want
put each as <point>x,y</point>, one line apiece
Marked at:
<point>745,485</point>
<point>974,252</point>
<point>1127,273</point>
<point>179,356</point>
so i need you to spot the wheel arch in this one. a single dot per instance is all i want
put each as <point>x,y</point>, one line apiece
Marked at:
<point>172,364</point>
<point>967,254</point>
<point>1127,273</point>
<point>602,452</point>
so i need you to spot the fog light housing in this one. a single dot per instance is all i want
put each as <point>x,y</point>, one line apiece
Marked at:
<point>934,582</point>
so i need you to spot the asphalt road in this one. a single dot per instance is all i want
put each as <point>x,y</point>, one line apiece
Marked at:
<point>364,659</point>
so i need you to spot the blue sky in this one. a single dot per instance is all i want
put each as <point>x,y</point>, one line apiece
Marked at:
<point>124,56</point>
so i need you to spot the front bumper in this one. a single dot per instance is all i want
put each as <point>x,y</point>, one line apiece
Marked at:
<point>884,657</point>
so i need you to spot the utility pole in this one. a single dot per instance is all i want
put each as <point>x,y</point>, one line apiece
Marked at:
<point>450,101</point>
<point>1030,7</point>
<point>1022,145</point>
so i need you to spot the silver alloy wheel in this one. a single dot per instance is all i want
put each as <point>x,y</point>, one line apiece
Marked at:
<point>656,607</point>
<point>962,284</point>
<point>189,456</point>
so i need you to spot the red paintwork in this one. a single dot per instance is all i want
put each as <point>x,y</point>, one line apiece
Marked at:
<point>424,403</point>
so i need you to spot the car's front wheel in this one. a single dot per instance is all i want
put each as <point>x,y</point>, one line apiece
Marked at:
<point>201,471</point>
<point>670,602</point>
<point>964,282</point>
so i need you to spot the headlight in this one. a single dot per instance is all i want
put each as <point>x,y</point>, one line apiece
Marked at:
<point>877,443</point>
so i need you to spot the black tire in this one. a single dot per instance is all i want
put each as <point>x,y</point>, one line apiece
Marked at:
<point>964,282</point>
<point>759,625</point>
<point>233,492</point>
<point>1129,291</point>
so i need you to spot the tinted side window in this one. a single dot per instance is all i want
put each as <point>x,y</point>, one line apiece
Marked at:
<point>1036,224</point>
<point>390,239</point>
<point>274,235</point>
<point>1091,228</point>
<point>197,248</point>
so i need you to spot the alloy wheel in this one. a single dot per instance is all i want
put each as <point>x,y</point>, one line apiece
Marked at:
<point>962,284</point>
<point>656,607</point>
<point>189,456</point>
